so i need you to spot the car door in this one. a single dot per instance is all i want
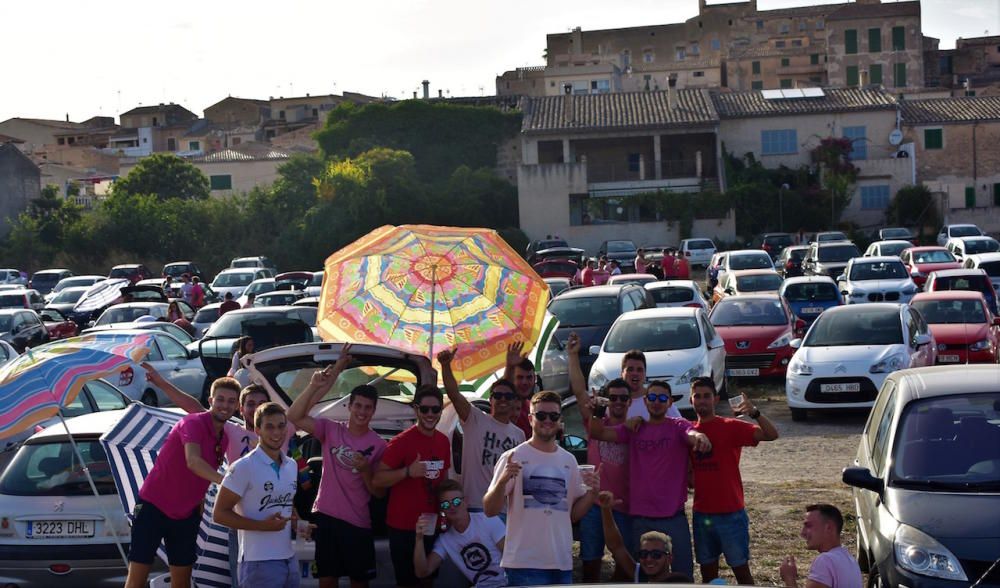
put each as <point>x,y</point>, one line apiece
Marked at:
<point>925,354</point>
<point>872,454</point>
<point>181,370</point>
<point>35,329</point>
<point>716,348</point>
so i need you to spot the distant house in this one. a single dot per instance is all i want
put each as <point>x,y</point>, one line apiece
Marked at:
<point>20,182</point>
<point>36,133</point>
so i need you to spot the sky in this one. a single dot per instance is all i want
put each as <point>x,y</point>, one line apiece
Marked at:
<point>104,57</point>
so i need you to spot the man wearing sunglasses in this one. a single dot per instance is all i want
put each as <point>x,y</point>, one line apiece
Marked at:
<point>721,525</point>
<point>484,436</point>
<point>654,561</point>
<point>545,493</point>
<point>414,463</point>
<point>634,374</point>
<point>473,541</point>
<point>658,471</point>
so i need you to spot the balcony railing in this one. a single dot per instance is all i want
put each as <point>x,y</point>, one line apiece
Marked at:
<point>626,172</point>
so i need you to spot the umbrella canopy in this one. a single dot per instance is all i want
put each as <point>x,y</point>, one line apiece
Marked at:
<point>132,445</point>
<point>422,289</point>
<point>34,386</point>
<point>100,295</point>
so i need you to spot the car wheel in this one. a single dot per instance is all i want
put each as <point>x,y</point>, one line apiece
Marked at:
<point>799,414</point>
<point>149,398</point>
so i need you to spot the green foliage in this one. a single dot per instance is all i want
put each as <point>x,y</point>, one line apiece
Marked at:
<point>54,214</point>
<point>165,176</point>
<point>838,175</point>
<point>913,206</point>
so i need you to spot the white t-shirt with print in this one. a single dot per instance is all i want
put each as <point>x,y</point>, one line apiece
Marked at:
<point>484,440</point>
<point>264,490</point>
<point>475,551</point>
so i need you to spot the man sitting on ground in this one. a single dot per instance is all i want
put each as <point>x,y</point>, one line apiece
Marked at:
<point>654,549</point>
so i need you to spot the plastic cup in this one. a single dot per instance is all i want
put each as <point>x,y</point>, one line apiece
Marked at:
<point>584,468</point>
<point>429,520</point>
<point>735,402</point>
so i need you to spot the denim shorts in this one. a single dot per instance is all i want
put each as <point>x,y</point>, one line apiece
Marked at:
<point>592,533</point>
<point>271,573</point>
<point>722,534</point>
<point>533,577</point>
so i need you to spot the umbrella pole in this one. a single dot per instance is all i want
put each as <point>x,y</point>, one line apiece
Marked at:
<point>93,488</point>
<point>430,351</point>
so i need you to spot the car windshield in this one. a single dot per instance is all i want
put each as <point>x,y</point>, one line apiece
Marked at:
<point>761,283</point>
<point>838,253</point>
<point>858,326</point>
<point>976,283</point>
<point>280,299</point>
<point>123,272</point>
<point>893,248</point>
<point>941,312</point>
<point>832,237</point>
<point>76,282</point>
<point>231,324</point>
<point>5,322</point>
<point>129,314</point>
<point>796,254</point>
<point>621,247</point>
<point>981,246</point>
<point>207,315</point>
<point>245,263</point>
<point>672,295</point>
<point>992,268</point>
<point>585,312</point>
<point>812,292</point>
<point>317,279</point>
<point>701,244</point>
<point>653,334</point>
<point>933,256</point>
<point>895,233</point>
<point>235,279</point>
<point>878,270</point>
<point>53,469</point>
<point>750,261</point>
<point>12,301</point>
<point>949,443</point>
<point>556,287</point>
<point>630,279</point>
<point>259,288</point>
<point>44,280</point>
<point>779,240</point>
<point>542,245</point>
<point>737,312</point>
<point>965,231</point>
<point>178,270</point>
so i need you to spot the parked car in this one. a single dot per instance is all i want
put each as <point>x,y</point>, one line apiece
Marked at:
<point>311,301</point>
<point>73,282</point>
<point>949,232</point>
<point>22,298</point>
<point>45,280</point>
<point>674,293</point>
<point>698,252</point>
<point>561,262</point>
<point>829,259</point>
<point>921,261</point>
<point>621,250</point>
<point>744,259</point>
<point>557,286</point>
<point>757,330</point>
<point>876,279</point>
<point>637,279</point>
<point>809,296</point>
<point>679,343</point>
<point>964,246</point>
<point>886,248</point>
<point>297,280</point>
<point>772,243</point>
<point>13,276</point>
<point>540,245</point>
<point>204,318</point>
<point>895,233</point>
<point>129,312</point>
<point>963,326</point>
<point>789,263</point>
<point>964,279</point>
<point>177,332</point>
<point>849,351</point>
<point>712,271</point>
<point>22,328</point>
<point>279,298</point>
<point>315,286</point>
<point>827,236</point>
<point>925,480</point>
<point>740,282</point>
<point>133,272</point>
<point>591,311</point>
<point>236,280</point>
<point>56,323</point>
<point>174,270</point>
<point>989,263</point>
<point>259,261</point>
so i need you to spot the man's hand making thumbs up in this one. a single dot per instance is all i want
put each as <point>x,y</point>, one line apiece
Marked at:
<point>417,469</point>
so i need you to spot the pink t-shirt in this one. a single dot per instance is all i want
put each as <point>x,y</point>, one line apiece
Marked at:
<point>342,491</point>
<point>836,568</point>
<point>613,459</point>
<point>243,441</point>
<point>171,486</point>
<point>658,460</point>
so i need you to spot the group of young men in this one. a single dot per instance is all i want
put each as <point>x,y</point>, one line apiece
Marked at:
<point>507,520</point>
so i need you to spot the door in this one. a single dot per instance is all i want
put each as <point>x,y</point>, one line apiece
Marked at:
<point>181,371</point>
<point>926,354</point>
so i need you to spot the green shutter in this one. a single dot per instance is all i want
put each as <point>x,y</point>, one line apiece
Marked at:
<point>786,84</point>
<point>784,62</point>
<point>899,75</point>
<point>996,194</point>
<point>874,40</point>
<point>852,75</point>
<point>875,73</point>
<point>933,139</point>
<point>970,196</point>
<point>757,85</point>
<point>755,68</point>
<point>850,41</point>
<point>221,182</point>
<point>899,38</point>
<point>814,59</point>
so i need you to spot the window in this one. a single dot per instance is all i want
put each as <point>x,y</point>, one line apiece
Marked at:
<point>875,73</point>
<point>779,44</point>
<point>814,59</point>
<point>852,75</point>
<point>699,74</point>
<point>944,65</point>
<point>236,141</point>
<point>194,145</point>
<point>899,38</point>
<point>783,29</point>
<point>899,75</point>
<point>802,25</point>
<point>785,84</point>
<point>154,122</point>
<point>996,194</point>
<point>820,25</point>
<point>281,114</point>
<point>850,41</point>
<point>779,142</point>
<point>634,160</point>
<point>874,40</point>
<point>970,196</point>
<point>796,42</point>
<point>580,87</point>
<point>933,138</point>
<point>785,62</point>
<point>315,112</point>
<point>648,56</point>
<point>970,93</point>
<point>755,68</point>
<point>221,182</point>
<point>600,87</point>
<point>874,197</point>
<point>104,396</point>
<point>714,43</point>
<point>858,141</point>
<point>680,54</point>
<point>171,144</point>
<point>626,58</point>
<point>815,80</point>
<point>171,349</point>
<point>760,25</point>
<point>695,49</point>
<point>881,440</point>
<point>756,85</point>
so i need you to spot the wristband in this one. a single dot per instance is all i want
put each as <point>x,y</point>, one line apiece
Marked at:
<point>755,413</point>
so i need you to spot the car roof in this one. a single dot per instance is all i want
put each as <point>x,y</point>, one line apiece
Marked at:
<point>671,283</point>
<point>126,265</point>
<point>749,297</point>
<point>258,257</point>
<point>13,310</point>
<point>876,259</point>
<point>626,277</point>
<point>75,289</point>
<point>215,305</point>
<point>753,272</point>
<point>963,225</point>
<point>179,263</point>
<point>923,248</point>
<point>260,310</point>
<point>51,271</point>
<point>87,276</point>
<point>239,270</point>
<point>944,380</point>
<point>949,295</point>
<point>893,242</point>
<point>594,291</point>
<point>974,238</point>
<point>90,424</point>
<point>950,273</point>
<point>833,243</point>
<point>273,293</point>
<point>869,306</point>
<point>984,257</point>
<point>808,280</point>
<point>138,305</point>
<point>559,280</point>
<point>648,313</point>
<point>746,252</point>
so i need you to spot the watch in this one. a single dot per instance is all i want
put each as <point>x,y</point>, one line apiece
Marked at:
<point>755,413</point>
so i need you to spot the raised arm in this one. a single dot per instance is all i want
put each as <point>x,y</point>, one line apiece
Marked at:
<point>183,401</point>
<point>765,431</point>
<point>319,384</point>
<point>612,534</point>
<point>514,357</point>
<point>577,382</point>
<point>599,432</point>
<point>461,403</point>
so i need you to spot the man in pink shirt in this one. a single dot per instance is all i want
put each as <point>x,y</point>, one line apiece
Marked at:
<point>834,567</point>
<point>171,497</point>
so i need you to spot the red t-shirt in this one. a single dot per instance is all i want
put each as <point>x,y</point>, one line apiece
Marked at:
<point>523,421</point>
<point>718,486</point>
<point>681,269</point>
<point>411,497</point>
<point>587,277</point>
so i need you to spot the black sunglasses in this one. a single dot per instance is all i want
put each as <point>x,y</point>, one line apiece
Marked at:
<point>618,397</point>
<point>658,397</point>
<point>453,503</point>
<point>503,395</point>
<point>652,553</point>
<point>424,409</point>
<point>551,416</point>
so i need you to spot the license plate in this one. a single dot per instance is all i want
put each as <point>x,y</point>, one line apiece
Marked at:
<point>743,372</point>
<point>948,358</point>
<point>812,310</point>
<point>834,388</point>
<point>54,529</point>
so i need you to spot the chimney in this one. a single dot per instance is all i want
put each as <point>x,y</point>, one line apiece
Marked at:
<point>67,117</point>
<point>576,38</point>
<point>440,93</point>
<point>671,87</point>
<point>569,116</point>
<point>427,89</point>
<point>414,94</point>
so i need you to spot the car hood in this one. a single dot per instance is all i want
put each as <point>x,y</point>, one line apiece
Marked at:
<point>659,364</point>
<point>759,337</point>
<point>847,353</point>
<point>960,333</point>
<point>944,515</point>
<point>880,285</point>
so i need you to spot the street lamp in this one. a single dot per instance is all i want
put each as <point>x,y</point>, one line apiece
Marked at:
<point>781,207</point>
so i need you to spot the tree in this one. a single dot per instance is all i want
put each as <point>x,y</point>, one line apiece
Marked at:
<point>837,174</point>
<point>913,206</point>
<point>54,215</point>
<point>166,176</point>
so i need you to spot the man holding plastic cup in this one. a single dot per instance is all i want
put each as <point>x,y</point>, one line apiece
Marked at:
<point>721,525</point>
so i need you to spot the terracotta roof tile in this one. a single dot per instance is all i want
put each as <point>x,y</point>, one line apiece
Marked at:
<point>951,110</point>
<point>753,104</point>
<point>619,111</point>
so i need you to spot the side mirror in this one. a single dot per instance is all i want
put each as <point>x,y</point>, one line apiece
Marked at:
<point>795,343</point>
<point>193,354</point>
<point>716,343</point>
<point>921,339</point>
<point>595,349</point>
<point>842,277</point>
<point>573,443</point>
<point>862,478</point>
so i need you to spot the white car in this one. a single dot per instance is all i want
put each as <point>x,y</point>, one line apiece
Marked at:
<point>744,259</point>
<point>637,279</point>
<point>13,276</point>
<point>963,247</point>
<point>258,287</point>
<point>680,345</point>
<point>673,293</point>
<point>887,248</point>
<point>876,279</point>
<point>849,351</point>
<point>74,282</point>
<point>989,263</point>
<point>315,285</point>
<point>697,251</point>
<point>236,280</point>
<point>948,232</point>
<point>129,312</point>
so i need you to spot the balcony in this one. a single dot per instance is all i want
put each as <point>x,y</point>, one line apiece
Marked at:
<point>622,179</point>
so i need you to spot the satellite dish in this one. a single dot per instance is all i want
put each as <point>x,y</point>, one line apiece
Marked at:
<point>895,137</point>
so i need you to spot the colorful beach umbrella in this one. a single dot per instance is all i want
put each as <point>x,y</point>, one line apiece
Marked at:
<point>424,288</point>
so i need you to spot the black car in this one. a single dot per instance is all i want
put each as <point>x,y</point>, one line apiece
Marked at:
<point>789,263</point>
<point>590,312</point>
<point>828,258</point>
<point>926,479</point>
<point>45,280</point>
<point>174,270</point>
<point>773,243</point>
<point>549,242</point>
<point>622,251</point>
<point>22,328</point>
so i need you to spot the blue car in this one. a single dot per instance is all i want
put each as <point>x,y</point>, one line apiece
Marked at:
<point>809,296</point>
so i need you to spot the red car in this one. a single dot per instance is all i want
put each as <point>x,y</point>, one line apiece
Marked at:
<point>758,330</point>
<point>556,268</point>
<point>921,261</point>
<point>963,326</point>
<point>58,326</point>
